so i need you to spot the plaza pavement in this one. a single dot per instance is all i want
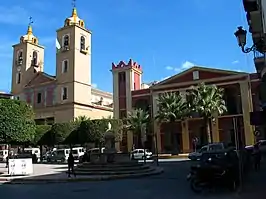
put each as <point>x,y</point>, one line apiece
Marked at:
<point>171,184</point>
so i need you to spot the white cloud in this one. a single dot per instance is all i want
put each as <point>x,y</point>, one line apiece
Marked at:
<point>169,68</point>
<point>187,65</point>
<point>239,71</point>
<point>94,85</point>
<point>235,62</point>
<point>184,66</point>
<point>177,69</point>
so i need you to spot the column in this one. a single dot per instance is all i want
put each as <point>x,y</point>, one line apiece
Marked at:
<point>115,95</point>
<point>156,125</point>
<point>129,140</point>
<point>246,99</point>
<point>185,137</point>
<point>215,130</point>
<point>157,136</point>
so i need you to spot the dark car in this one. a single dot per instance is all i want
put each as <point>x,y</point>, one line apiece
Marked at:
<point>213,147</point>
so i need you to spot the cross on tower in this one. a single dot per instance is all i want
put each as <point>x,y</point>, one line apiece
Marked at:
<point>30,21</point>
<point>74,3</point>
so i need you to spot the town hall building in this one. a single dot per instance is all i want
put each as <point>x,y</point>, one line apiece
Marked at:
<point>67,94</point>
<point>240,94</point>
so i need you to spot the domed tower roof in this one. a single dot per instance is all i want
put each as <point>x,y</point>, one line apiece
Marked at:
<point>74,19</point>
<point>29,37</point>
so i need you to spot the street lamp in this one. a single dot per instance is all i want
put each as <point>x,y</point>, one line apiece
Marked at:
<point>241,36</point>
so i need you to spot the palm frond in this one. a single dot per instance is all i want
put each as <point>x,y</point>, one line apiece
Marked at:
<point>207,100</point>
<point>171,107</point>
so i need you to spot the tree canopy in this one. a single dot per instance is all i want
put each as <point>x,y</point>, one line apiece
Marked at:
<point>207,100</point>
<point>17,123</point>
<point>137,122</point>
<point>57,134</point>
<point>41,130</point>
<point>171,107</point>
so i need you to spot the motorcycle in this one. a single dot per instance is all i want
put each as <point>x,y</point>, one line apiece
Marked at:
<point>210,175</point>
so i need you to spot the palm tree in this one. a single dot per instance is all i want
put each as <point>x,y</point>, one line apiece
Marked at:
<point>207,100</point>
<point>137,122</point>
<point>77,120</point>
<point>171,108</point>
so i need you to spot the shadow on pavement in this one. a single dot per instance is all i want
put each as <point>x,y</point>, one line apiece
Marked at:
<point>172,181</point>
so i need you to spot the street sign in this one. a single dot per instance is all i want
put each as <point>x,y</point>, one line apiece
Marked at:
<point>20,166</point>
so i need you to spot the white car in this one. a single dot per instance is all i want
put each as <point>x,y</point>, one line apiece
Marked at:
<point>138,154</point>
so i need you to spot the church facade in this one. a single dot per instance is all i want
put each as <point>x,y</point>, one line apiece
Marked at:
<point>69,93</point>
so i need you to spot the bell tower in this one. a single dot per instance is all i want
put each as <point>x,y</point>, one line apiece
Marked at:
<point>28,58</point>
<point>127,77</point>
<point>73,61</point>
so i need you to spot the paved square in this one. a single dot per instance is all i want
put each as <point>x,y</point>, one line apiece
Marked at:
<point>171,184</point>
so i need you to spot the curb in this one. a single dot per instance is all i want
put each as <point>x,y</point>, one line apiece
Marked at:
<point>67,180</point>
<point>174,157</point>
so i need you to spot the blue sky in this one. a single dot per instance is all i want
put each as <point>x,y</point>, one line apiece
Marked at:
<point>165,37</point>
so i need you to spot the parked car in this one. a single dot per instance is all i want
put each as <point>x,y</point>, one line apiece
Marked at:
<point>207,148</point>
<point>86,157</point>
<point>59,155</point>
<point>138,154</point>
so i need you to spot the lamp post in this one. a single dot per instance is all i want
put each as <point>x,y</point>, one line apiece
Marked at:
<point>241,36</point>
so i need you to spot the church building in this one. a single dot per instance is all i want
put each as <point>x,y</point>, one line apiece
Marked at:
<point>69,93</point>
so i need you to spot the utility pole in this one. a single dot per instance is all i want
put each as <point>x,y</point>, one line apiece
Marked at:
<point>238,140</point>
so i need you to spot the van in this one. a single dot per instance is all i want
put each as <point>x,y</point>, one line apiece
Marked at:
<point>77,152</point>
<point>59,155</point>
<point>33,151</point>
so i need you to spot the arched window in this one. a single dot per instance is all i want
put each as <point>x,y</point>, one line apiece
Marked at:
<point>34,58</point>
<point>20,57</point>
<point>82,43</point>
<point>66,41</point>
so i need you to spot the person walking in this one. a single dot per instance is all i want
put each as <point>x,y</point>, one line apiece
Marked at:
<point>70,163</point>
<point>257,157</point>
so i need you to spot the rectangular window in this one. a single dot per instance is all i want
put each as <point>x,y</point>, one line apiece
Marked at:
<point>64,66</point>
<point>122,76</point>
<point>18,78</point>
<point>39,98</point>
<point>64,93</point>
<point>195,75</point>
